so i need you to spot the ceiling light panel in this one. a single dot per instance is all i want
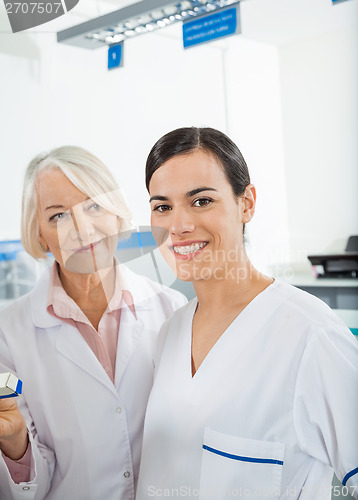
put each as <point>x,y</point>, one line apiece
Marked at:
<point>142,17</point>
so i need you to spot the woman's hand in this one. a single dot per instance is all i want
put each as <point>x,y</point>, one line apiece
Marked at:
<point>13,431</point>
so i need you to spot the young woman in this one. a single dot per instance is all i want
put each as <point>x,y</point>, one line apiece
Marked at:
<point>82,341</point>
<point>256,384</point>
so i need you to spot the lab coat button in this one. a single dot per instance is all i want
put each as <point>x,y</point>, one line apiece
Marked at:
<point>118,409</point>
<point>26,488</point>
<point>127,474</point>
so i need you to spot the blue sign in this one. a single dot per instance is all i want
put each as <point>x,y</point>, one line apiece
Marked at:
<point>211,26</point>
<point>115,56</point>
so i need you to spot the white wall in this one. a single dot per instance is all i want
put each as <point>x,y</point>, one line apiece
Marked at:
<point>55,94</point>
<point>319,81</point>
<point>59,94</point>
<point>253,86</point>
<point>292,110</point>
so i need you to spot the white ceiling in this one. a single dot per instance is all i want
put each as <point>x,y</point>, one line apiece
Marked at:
<point>276,22</point>
<point>85,8</point>
<point>287,21</point>
<point>270,21</point>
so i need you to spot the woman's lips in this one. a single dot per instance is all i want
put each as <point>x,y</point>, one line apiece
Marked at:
<point>87,248</point>
<point>187,250</point>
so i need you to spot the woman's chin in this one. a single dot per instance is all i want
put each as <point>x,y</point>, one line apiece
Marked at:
<point>87,264</point>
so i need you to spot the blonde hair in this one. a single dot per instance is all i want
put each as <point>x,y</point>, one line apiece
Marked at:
<point>87,173</point>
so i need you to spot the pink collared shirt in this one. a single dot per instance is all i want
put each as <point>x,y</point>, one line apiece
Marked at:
<point>102,342</point>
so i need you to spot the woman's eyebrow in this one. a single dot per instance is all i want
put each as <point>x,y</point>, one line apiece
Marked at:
<point>189,194</point>
<point>159,198</point>
<point>62,206</point>
<point>54,206</point>
<point>198,190</point>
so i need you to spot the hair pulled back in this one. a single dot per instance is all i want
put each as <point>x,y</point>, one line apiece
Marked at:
<point>188,139</point>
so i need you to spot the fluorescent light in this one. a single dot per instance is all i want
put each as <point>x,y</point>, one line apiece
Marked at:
<point>170,10</point>
<point>157,14</point>
<point>118,38</point>
<point>145,19</point>
<point>141,17</point>
<point>185,5</point>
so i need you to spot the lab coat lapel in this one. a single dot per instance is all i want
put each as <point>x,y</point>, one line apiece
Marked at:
<point>130,331</point>
<point>38,300</point>
<point>72,345</point>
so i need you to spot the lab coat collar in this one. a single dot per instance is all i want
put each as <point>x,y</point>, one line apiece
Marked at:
<point>38,299</point>
<point>141,289</point>
<point>130,333</point>
<point>72,345</point>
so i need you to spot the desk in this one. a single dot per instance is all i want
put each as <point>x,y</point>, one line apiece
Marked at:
<point>337,293</point>
<point>350,318</point>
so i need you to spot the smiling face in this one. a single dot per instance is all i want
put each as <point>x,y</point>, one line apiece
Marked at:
<point>81,235</point>
<point>196,218</point>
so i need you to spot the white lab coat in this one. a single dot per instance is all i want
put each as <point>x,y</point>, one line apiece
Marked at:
<point>270,413</point>
<point>86,433</point>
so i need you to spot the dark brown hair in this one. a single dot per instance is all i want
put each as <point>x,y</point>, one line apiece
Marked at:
<point>188,139</point>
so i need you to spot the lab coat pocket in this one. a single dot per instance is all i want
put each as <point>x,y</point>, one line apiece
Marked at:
<point>239,467</point>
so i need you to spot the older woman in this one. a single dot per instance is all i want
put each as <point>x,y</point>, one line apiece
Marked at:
<point>81,341</point>
<point>256,383</point>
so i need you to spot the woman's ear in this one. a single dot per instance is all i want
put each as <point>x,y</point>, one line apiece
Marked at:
<point>248,203</point>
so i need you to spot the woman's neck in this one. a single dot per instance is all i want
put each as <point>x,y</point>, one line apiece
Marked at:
<point>231,291</point>
<point>89,288</point>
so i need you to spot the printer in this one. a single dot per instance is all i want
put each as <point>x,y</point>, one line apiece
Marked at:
<point>343,265</point>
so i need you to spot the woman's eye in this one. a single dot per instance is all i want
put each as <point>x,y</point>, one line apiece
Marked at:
<point>202,202</point>
<point>161,208</point>
<point>95,209</point>
<point>62,216</point>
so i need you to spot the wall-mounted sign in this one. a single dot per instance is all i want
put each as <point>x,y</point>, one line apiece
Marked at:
<point>211,26</point>
<point>115,56</point>
<point>337,1</point>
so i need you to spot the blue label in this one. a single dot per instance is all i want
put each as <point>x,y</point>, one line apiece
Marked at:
<point>19,387</point>
<point>210,27</point>
<point>115,56</point>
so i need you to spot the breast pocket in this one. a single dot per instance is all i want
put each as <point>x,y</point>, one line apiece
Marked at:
<point>238,467</point>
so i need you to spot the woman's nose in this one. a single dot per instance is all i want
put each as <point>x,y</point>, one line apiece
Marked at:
<point>181,222</point>
<point>83,226</point>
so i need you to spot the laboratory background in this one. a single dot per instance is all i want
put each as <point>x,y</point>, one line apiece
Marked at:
<point>112,76</point>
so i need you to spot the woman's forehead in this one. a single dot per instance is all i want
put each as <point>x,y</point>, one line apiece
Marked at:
<point>53,186</point>
<point>188,172</point>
